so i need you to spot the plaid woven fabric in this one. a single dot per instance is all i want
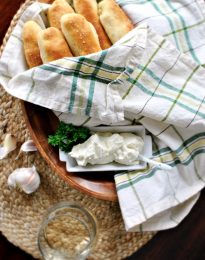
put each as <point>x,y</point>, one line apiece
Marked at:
<point>152,76</point>
<point>152,199</point>
<point>181,22</point>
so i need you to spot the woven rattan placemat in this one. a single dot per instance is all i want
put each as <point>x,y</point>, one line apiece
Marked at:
<point>21,214</point>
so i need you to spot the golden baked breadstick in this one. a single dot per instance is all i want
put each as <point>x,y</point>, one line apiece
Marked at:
<point>46,1</point>
<point>80,34</point>
<point>56,11</point>
<point>114,20</point>
<point>51,1</point>
<point>30,42</point>
<point>89,9</point>
<point>53,45</point>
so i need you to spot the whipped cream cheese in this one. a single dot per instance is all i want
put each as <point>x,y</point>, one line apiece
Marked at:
<point>103,148</point>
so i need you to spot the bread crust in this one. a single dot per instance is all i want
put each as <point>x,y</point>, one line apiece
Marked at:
<point>46,1</point>
<point>51,1</point>
<point>80,34</point>
<point>53,45</point>
<point>30,43</point>
<point>56,11</point>
<point>114,20</point>
<point>89,9</point>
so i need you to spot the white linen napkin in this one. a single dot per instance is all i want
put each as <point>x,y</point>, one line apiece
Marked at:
<point>142,78</point>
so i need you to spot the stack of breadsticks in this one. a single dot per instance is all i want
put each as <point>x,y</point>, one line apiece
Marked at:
<point>83,28</point>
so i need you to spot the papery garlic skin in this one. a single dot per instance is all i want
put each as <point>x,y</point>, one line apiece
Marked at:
<point>27,179</point>
<point>3,152</point>
<point>9,145</point>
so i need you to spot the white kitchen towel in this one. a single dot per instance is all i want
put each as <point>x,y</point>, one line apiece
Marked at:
<point>154,199</point>
<point>179,21</point>
<point>142,78</point>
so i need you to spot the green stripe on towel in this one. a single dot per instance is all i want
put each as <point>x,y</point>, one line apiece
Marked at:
<point>74,84</point>
<point>146,65</point>
<point>92,82</point>
<point>180,93</point>
<point>188,41</point>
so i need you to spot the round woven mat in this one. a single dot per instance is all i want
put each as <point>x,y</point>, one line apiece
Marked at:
<point>21,214</point>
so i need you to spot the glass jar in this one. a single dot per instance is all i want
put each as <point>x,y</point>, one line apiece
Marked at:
<point>68,231</point>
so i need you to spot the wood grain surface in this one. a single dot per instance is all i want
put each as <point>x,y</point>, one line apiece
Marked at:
<point>187,241</point>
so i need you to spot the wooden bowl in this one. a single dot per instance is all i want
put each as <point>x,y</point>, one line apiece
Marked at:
<point>42,122</point>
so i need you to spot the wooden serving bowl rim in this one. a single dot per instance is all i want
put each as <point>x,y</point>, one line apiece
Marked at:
<point>98,188</point>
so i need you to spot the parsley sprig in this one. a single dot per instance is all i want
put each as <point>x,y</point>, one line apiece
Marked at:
<point>68,135</point>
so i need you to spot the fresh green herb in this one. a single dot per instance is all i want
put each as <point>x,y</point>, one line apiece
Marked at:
<point>68,135</point>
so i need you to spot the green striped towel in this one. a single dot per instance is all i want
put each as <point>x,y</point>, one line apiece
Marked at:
<point>162,96</point>
<point>143,78</point>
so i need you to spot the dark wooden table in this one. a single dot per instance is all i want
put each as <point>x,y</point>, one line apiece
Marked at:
<point>187,241</point>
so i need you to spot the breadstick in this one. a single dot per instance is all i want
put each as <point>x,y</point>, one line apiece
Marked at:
<point>32,53</point>
<point>46,1</point>
<point>56,11</point>
<point>51,1</point>
<point>52,45</point>
<point>89,9</point>
<point>80,34</point>
<point>114,20</point>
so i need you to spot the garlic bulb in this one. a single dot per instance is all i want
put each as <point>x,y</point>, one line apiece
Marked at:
<point>9,145</point>
<point>27,179</point>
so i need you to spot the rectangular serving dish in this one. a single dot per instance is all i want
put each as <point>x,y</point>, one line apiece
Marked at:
<point>72,166</point>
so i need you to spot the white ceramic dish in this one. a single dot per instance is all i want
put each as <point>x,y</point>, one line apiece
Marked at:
<point>72,166</point>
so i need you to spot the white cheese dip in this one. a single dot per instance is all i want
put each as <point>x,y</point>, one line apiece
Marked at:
<point>103,148</point>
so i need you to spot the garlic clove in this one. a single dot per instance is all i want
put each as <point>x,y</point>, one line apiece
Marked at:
<point>27,179</point>
<point>9,145</point>
<point>10,142</point>
<point>3,152</point>
<point>28,146</point>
